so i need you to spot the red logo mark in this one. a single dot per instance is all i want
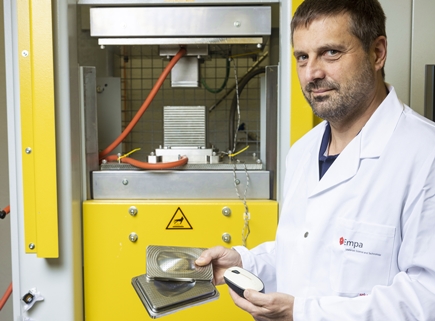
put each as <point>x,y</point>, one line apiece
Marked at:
<point>341,240</point>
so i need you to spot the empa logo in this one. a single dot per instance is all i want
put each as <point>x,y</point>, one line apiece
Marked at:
<point>353,244</point>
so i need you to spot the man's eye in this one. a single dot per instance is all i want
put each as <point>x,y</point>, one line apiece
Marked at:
<point>301,57</point>
<point>332,52</point>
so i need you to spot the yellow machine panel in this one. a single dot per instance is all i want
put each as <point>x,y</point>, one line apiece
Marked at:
<point>117,233</point>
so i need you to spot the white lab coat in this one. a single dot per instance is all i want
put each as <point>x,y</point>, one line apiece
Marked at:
<point>369,250</point>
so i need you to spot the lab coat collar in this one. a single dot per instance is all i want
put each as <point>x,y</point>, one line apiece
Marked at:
<point>380,127</point>
<point>369,143</point>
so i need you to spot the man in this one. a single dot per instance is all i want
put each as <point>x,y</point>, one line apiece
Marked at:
<point>356,236</point>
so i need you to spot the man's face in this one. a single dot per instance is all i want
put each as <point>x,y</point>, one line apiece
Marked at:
<point>336,74</point>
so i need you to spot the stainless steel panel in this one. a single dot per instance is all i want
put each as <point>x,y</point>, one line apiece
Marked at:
<point>184,126</point>
<point>170,184</point>
<point>429,92</point>
<point>195,155</point>
<point>177,41</point>
<point>180,21</point>
<point>185,73</point>
<point>225,165</point>
<point>271,125</point>
<point>171,2</point>
<point>191,50</point>
<point>88,102</point>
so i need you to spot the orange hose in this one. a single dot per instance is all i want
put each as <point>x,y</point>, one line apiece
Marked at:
<point>145,104</point>
<point>6,296</point>
<point>7,209</point>
<point>145,165</point>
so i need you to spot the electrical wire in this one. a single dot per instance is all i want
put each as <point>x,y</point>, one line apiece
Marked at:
<point>5,212</point>
<point>6,296</point>
<point>236,100</point>
<point>239,152</point>
<point>144,165</point>
<point>235,104</point>
<point>229,91</point>
<point>145,104</point>
<point>227,75</point>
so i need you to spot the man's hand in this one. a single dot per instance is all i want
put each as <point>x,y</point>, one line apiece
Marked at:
<point>265,307</point>
<point>222,259</point>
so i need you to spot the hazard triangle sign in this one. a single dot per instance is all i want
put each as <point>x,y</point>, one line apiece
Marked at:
<point>179,221</point>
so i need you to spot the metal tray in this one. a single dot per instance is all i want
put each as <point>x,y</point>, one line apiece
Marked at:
<point>164,297</point>
<point>174,263</point>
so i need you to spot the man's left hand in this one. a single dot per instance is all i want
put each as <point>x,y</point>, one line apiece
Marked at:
<point>265,307</point>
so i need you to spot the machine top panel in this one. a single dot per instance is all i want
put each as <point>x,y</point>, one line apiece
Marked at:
<point>171,2</point>
<point>181,21</point>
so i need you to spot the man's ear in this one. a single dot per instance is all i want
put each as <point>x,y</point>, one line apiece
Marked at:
<point>379,52</point>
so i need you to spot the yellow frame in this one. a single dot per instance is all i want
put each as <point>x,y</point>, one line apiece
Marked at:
<point>35,48</point>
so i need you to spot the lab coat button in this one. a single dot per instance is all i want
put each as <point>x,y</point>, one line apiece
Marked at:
<point>306,234</point>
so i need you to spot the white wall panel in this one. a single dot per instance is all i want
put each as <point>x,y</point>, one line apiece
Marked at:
<point>397,68</point>
<point>423,49</point>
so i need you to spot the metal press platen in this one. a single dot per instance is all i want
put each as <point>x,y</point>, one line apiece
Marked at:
<point>176,264</point>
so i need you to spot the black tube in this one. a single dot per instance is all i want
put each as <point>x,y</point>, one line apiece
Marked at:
<point>233,108</point>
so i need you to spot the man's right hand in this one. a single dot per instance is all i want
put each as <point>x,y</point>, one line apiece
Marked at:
<point>222,259</point>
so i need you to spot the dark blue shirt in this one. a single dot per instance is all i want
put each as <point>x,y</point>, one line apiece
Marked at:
<point>325,161</point>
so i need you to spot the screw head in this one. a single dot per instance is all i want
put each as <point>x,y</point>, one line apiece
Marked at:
<point>226,211</point>
<point>237,181</point>
<point>25,53</point>
<point>133,237</point>
<point>237,24</point>
<point>132,210</point>
<point>28,150</point>
<point>32,246</point>
<point>125,181</point>
<point>226,237</point>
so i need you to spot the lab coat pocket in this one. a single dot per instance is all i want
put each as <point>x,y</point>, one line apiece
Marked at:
<point>361,256</point>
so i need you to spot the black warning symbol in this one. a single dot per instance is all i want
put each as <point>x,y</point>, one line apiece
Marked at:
<point>179,221</point>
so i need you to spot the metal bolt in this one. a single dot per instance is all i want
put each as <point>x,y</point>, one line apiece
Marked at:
<point>32,246</point>
<point>28,150</point>
<point>226,238</point>
<point>133,237</point>
<point>104,161</point>
<point>259,46</point>
<point>125,181</point>
<point>102,47</point>
<point>237,181</point>
<point>254,155</point>
<point>226,211</point>
<point>132,210</point>
<point>258,161</point>
<point>25,53</point>
<point>237,24</point>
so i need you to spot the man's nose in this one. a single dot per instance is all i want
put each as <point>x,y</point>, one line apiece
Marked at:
<point>314,70</point>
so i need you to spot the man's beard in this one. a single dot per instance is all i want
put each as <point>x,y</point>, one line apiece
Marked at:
<point>348,99</point>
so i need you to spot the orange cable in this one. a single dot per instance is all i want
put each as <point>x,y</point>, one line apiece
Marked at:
<point>145,165</point>
<point>145,104</point>
<point>6,296</point>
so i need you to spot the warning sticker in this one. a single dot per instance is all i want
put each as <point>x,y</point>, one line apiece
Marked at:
<point>179,221</point>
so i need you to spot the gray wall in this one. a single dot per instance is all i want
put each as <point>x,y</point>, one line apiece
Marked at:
<point>5,233</point>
